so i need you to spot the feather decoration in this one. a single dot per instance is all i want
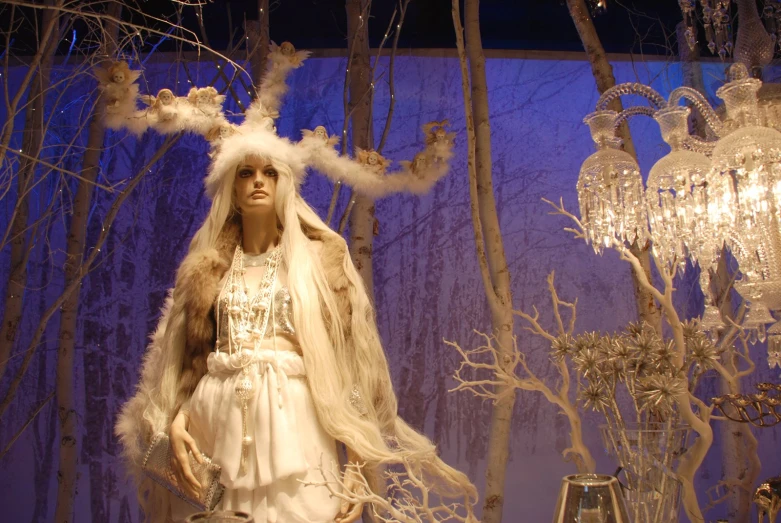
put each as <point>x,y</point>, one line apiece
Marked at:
<point>273,87</point>
<point>201,112</point>
<point>321,133</point>
<point>369,178</point>
<point>119,92</point>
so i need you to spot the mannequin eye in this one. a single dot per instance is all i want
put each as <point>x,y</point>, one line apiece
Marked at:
<point>246,172</point>
<point>270,172</point>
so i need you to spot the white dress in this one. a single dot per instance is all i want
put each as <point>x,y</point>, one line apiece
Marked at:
<point>288,443</point>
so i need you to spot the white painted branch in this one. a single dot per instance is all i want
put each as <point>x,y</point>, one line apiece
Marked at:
<point>505,380</point>
<point>411,500</point>
<point>700,422</point>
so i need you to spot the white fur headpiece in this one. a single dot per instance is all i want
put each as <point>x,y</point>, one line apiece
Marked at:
<point>250,140</point>
<point>201,112</point>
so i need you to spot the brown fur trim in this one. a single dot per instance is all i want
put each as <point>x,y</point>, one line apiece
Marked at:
<point>197,285</point>
<point>332,257</point>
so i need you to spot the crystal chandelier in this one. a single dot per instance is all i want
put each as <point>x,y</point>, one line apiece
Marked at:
<point>715,20</point>
<point>610,188</point>
<point>700,197</point>
<point>757,36</point>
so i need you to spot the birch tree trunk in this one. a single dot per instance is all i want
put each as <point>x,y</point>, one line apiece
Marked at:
<point>692,75</point>
<point>490,250</point>
<point>32,140</point>
<point>739,448</point>
<point>66,408</point>
<point>362,221</point>
<point>647,309</point>
<point>258,41</point>
<point>739,452</point>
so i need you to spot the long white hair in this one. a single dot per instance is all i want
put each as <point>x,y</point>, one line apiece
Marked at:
<point>338,357</point>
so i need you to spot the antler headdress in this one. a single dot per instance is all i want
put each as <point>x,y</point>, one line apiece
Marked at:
<point>201,112</point>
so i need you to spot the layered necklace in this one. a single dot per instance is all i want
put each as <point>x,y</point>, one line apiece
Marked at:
<point>247,322</point>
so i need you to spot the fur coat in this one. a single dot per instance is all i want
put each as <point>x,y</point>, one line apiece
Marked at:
<point>196,289</point>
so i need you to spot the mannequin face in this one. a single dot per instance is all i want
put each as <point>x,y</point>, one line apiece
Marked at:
<point>320,132</point>
<point>255,187</point>
<point>225,131</point>
<point>373,159</point>
<point>118,77</point>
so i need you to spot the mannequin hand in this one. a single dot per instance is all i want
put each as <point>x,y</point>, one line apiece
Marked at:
<point>181,442</point>
<point>353,482</point>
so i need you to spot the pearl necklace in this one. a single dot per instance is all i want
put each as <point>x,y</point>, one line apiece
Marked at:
<point>255,260</point>
<point>247,323</point>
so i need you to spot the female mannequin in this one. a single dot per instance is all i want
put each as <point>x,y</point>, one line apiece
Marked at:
<point>322,379</point>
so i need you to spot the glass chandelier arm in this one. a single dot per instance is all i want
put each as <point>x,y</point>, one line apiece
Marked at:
<point>698,145</point>
<point>637,110</point>
<point>696,98</point>
<point>617,91</point>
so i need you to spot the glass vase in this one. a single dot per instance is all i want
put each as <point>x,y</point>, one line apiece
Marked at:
<point>590,498</point>
<point>648,454</point>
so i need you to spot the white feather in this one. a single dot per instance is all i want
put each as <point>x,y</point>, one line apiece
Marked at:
<point>366,181</point>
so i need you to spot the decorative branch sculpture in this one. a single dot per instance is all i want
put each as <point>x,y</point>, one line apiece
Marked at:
<point>691,409</point>
<point>408,498</point>
<point>510,372</point>
<point>761,410</point>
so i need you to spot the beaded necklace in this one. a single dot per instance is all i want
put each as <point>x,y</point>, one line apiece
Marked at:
<point>247,323</point>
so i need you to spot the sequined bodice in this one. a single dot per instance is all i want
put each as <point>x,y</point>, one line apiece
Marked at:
<point>280,321</point>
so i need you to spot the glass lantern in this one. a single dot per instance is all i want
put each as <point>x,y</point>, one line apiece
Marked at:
<point>610,188</point>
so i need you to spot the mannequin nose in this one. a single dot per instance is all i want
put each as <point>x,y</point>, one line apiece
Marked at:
<point>258,181</point>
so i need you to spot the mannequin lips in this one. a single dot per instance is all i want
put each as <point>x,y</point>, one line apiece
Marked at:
<point>258,193</point>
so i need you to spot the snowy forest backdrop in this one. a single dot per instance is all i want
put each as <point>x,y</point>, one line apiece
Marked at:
<point>427,283</point>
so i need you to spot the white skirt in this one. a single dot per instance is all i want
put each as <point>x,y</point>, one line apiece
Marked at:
<point>288,447</point>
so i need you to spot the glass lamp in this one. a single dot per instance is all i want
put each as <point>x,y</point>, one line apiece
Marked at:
<point>610,188</point>
<point>747,172</point>
<point>675,193</point>
<point>590,498</point>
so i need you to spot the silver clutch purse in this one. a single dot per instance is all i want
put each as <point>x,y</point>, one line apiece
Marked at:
<point>157,465</point>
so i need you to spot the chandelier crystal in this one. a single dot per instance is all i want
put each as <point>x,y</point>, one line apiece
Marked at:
<point>676,198</point>
<point>716,22</point>
<point>747,168</point>
<point>610,188</point>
